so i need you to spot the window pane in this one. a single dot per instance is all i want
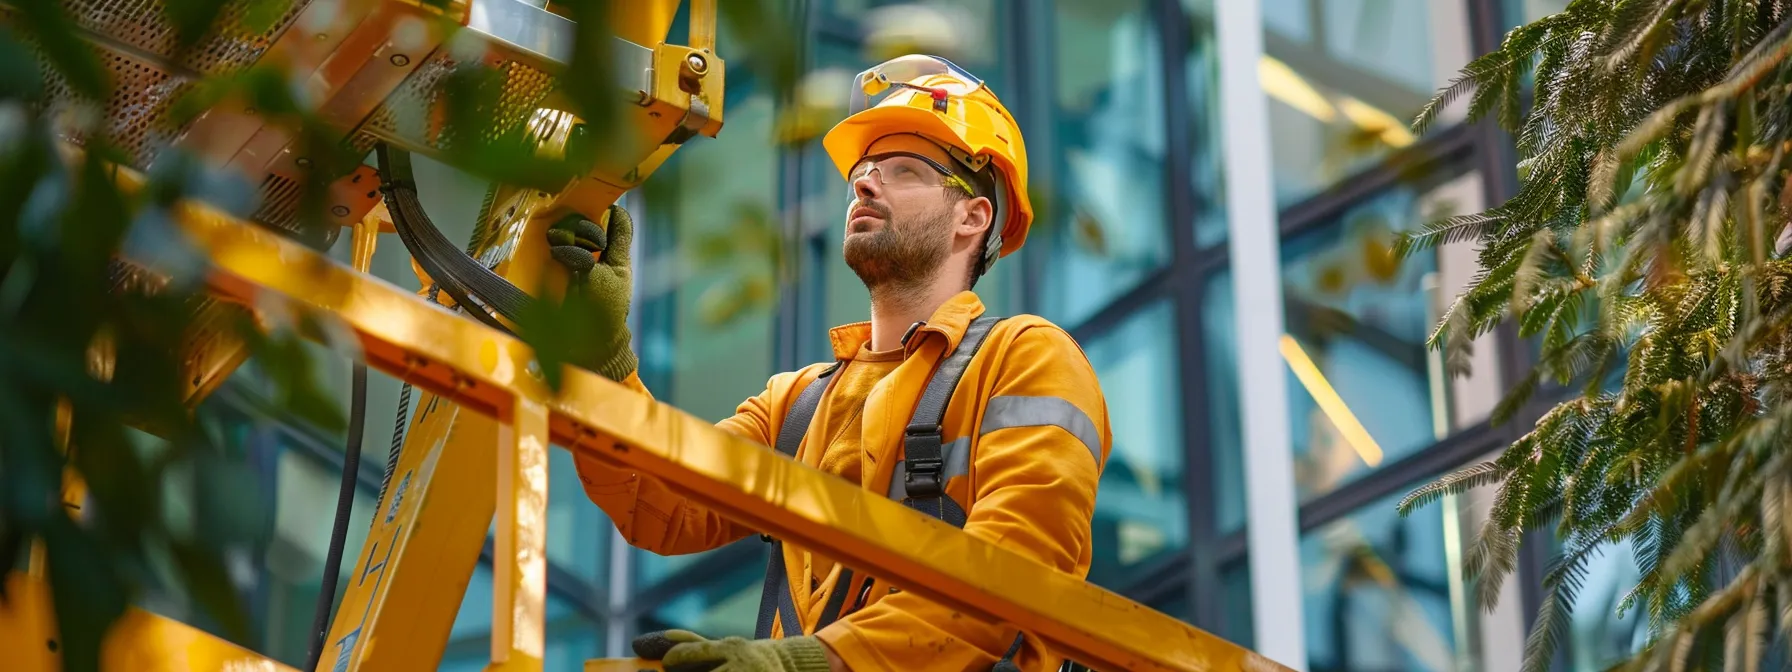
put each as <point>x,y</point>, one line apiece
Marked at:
<point>570,642</point>
<point>1219,345</point>
<point>475,615</point>
<point>1598,637</point>
<point>724,604</point>
<point>1140,511</point>
<point>1206,139</point>
<point>651,568</point>
<point>293,562</point>
<point>1360,390</point>
<point>962,31</point>
<point>1378,592</point>
<point>1175,605</point>
<point>578,532</point>
<point>1100,190</point>
<point>570,637</point>
<point>1363,390</point>
<point>1520,12</point>
<point>1344,79</point>
<point>707,289</point>
<point>1235,591</point>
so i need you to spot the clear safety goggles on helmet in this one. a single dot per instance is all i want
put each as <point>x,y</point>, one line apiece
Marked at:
<point>877,83</point>
<point>904,170</point>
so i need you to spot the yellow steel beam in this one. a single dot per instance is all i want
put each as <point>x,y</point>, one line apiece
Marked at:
<point>519,556</point>
<point>406,587</point>
<point>488,372</point>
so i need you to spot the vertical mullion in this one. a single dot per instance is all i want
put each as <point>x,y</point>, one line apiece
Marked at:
<point>264,460</point>
<point>1033,86</point>
<point>1203,580</point>
<point>616,626</point>
<point>1272,532</point>
<point>788,333</point>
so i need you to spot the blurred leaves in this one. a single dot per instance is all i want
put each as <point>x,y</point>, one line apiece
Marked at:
<point>748,254</point>
<point>1651,148</point>
<point>103,339</point>
<point>66,300</point>
<point>762,32</point>
<point>916,28</point>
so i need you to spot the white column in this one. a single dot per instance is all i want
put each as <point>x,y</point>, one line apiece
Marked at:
<point>1273,535</point>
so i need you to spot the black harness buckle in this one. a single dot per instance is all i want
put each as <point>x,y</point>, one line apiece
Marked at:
<point>922,481</point>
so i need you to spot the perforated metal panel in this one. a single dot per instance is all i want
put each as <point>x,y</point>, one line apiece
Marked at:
<point>228,46</point>
<point>135,118</point>
<point>416,113</point>
<point>279,202</point>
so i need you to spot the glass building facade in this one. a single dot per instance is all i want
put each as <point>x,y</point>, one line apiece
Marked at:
<point>739,276</point>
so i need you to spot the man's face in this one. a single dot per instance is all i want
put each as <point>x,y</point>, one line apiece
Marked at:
<point>899,225</point>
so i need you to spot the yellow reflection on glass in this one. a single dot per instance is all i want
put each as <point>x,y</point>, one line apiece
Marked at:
<point>1329,401</point>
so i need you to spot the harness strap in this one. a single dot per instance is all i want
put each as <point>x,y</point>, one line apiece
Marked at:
<point>775,599</point>
<point>923,482</point>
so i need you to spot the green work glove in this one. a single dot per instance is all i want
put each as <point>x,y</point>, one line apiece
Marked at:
<point>598,261</point>
<point>685,651</point>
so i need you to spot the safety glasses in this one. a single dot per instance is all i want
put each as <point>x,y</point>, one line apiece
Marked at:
<point>895,75</point>
<point>906,170</point>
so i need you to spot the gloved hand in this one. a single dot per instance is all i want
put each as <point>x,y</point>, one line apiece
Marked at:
<point>604,284</point>
<point>685,651</point>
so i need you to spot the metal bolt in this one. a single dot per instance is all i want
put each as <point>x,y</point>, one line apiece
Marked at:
<point>303,162</point>
<point>400,60</point>
<point>698,65</point>
<point>339,210</point>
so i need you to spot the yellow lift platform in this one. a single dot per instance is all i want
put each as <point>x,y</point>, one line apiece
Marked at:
<point>374,65</point>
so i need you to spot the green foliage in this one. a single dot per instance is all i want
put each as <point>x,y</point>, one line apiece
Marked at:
<point>1654,185</point>
<point>67,302</point>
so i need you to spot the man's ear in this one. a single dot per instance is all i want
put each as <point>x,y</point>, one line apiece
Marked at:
<point>978,215</point>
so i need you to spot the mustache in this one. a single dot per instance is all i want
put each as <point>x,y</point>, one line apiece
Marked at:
<point>882,210</point>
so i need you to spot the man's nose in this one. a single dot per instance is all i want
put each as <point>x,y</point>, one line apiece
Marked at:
<point>865,188</point>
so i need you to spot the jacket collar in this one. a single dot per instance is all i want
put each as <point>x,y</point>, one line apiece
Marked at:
<point>949,320</point>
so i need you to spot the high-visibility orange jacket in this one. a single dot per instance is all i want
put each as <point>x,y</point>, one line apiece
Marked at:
<point>1031,415</point>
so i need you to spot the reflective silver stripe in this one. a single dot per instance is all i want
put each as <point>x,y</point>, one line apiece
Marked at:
<point>1006,412</point>
<point>957,457</point>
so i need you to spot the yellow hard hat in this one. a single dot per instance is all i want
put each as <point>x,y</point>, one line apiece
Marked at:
<point>932,97</point>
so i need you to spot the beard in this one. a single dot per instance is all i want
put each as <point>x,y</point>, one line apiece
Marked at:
<point>903,254</point>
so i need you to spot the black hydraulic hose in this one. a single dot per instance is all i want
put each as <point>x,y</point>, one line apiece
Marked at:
<point>345,502</point>
<point>473,286</point>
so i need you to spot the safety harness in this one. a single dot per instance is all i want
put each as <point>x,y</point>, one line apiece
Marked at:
<point>921,474</point>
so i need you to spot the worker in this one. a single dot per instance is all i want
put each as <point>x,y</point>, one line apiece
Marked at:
<point>938,177</point>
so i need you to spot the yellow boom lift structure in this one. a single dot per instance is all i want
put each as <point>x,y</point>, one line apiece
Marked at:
<point>478,445</point>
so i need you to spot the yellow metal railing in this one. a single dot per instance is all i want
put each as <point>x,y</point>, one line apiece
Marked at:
<point>489,372</point>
